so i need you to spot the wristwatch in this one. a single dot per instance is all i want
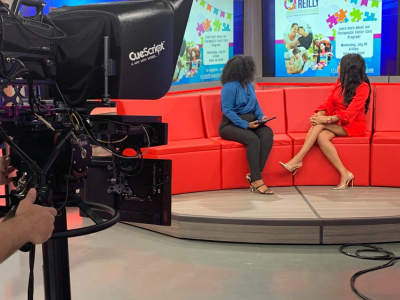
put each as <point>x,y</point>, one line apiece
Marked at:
<point>329,120</point>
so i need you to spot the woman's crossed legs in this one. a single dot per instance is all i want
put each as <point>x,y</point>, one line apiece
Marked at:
<point>323,134</point>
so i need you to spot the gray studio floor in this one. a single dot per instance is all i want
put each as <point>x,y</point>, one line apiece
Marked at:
<point>126,262</point>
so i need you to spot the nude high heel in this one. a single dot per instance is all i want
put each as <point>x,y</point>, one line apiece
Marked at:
<point>290,168</point>
<point>346,185</point>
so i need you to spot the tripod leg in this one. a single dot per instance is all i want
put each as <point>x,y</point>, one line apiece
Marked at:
<point>57,285</point>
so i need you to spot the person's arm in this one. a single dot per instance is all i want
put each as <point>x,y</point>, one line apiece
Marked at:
<point>348,115</point>
<point>293,71</point>
<point>228,97</point>
<point>357,104</point>
<point>12,237</point>
<point>293,44</point>
<point>32,223</point>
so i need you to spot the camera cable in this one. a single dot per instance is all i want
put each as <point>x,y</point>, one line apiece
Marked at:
<point>384,255</point>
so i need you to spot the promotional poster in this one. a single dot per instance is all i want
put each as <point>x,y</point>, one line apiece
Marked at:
<point>208,42</point>
<point>311,36</point>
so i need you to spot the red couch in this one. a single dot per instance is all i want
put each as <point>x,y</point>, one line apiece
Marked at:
<point>196,161</point>
<point>353,151</point>
<point>385,148</point>
<point>233,155</point>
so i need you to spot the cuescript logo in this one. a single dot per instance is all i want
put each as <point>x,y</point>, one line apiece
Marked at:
<point>290,4</point>
<point>146,52</point>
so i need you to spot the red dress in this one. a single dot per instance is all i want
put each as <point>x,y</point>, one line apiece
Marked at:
<point>352,117</point>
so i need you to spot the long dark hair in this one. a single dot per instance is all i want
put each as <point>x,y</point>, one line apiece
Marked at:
<point>352,74</point>
<point>240,68</point>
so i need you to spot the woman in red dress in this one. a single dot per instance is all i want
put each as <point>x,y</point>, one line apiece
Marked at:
<point>342,114</point>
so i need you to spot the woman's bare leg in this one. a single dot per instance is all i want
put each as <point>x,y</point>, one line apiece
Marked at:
<point>324,142</point>
<point>311,137</point>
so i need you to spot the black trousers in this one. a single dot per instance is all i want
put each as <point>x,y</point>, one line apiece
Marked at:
<point>258,142</point>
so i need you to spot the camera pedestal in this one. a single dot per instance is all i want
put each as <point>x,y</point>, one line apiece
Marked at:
<point>57,284</point>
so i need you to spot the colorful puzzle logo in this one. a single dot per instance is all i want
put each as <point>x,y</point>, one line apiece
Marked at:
<point>290,4</point>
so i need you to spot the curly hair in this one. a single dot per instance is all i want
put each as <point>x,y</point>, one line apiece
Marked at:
<point>197,51</point>
<point>240,68</point>
<point>352,74</point>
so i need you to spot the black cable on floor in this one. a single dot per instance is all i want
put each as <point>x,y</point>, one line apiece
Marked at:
<point>383,255</point>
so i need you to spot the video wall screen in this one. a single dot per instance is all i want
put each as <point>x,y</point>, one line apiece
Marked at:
<point>214,34</point>
<point>311,36</point>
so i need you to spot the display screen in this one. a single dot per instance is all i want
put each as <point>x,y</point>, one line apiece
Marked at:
<point>311,36</point>
<point>209,40</point>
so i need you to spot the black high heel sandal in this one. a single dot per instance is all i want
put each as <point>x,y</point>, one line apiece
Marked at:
<point>268,191</point>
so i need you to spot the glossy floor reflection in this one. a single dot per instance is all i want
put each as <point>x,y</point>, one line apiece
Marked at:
<point>126,262</point>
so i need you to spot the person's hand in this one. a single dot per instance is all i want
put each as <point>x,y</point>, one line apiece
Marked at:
<point>37,220</point>
<point>264,118</point>
<point>5,170</point>
<point>318,120</point>
<point>253,125</point>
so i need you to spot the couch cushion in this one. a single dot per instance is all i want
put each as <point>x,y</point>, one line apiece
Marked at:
<point>212,114</point>
<point>182,113</point>
<point>386,138</point>
<point>272,103</point>
<point>184,146</point>
<point>279,140</point>
<point>387,106</point>
<point>302,102</point>
<point>299,138</point>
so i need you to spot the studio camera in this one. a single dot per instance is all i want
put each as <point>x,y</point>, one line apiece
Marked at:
<point>54,70</point>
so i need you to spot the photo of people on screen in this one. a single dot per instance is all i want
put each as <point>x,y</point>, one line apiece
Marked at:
<point>322,53</point>
<point>193,61</point>
<point>298,36</point>
<point>298,41</point>
<point>297,62</point>
<point>189,63</point>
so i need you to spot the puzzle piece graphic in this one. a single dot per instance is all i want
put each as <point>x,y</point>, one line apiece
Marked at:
<point>369,17</point>
<point>364,2</point>
<point>356,14</point>
<point>206,24</point>
<point>226,27</point>
<point>341,16</point>
<point>200,29</point>
<point>353,1</point>
<point>217,25</point>
<point>202,40</point>
<point>331,21</point>
<point>334,33</point>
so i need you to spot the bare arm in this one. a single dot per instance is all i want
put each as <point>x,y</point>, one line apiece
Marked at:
<point>293,71</point>
<point>12,237</point>
<point>32,223</point>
